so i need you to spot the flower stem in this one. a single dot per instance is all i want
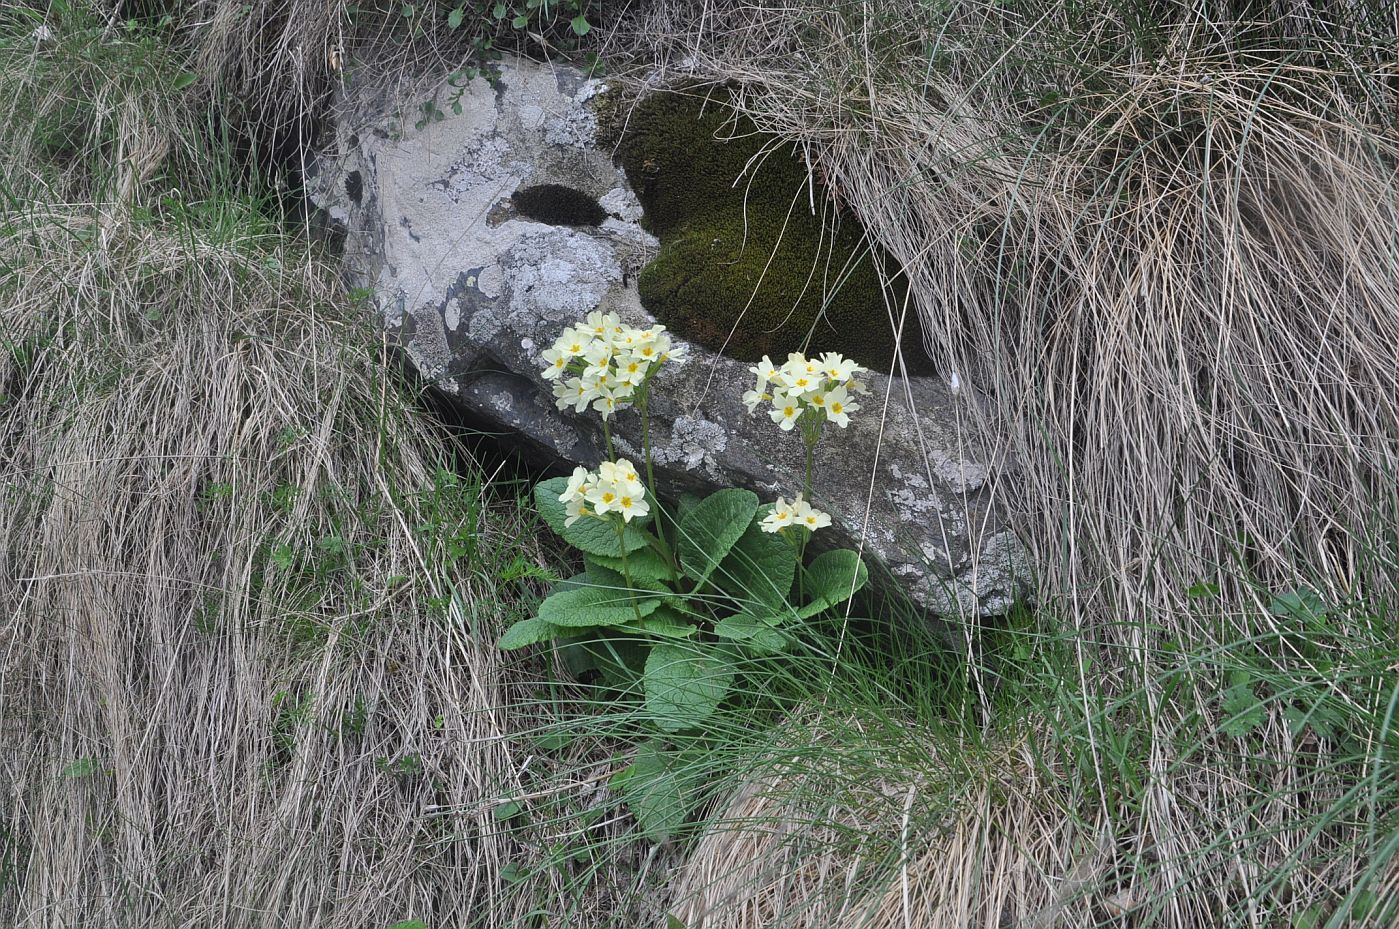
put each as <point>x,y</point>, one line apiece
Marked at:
<point>643,397</point>
<point>607,439</point>
<point>626,568</point>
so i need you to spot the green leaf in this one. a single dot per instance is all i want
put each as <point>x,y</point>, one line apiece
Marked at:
<point>1305,606</point>
<point>709,530</point>
<point>669,624</point>
<point>184,79</point>
<point>589,534</point>
<point>1243,711</point>
<point>83,767</point>
<point>759,569</point>
<point>757,632</point>
<point>1313,917</point>
<point>507,810</point>
<point>409,924</point>
<point>644,563</point>
<point>594,606</point>
<point>498,11</point>
<point>673,922</point>
<point>831,578</point>
<point>580,24</point>
<point>454,18</point>
<point>527,632</point>
<point>520,22</point>
<point>616,653</point>
<point>652,791</point>
<point>1201,590</point>
<point>684,686</point>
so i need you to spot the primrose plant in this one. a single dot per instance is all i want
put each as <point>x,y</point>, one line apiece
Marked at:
<point>673,602</point>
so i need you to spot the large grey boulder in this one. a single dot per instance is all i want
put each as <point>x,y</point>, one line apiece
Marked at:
<point>473,290</point>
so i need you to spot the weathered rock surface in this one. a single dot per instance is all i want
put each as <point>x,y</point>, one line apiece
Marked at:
<point>442,223</point>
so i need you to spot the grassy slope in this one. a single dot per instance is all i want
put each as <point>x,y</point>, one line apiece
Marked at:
<point>1157,241</point>
<point>235,688</point>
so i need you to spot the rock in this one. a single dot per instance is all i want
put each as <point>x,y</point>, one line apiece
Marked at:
<point>482,234</point>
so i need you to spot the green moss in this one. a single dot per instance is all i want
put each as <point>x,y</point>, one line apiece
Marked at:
<point>747,267</point>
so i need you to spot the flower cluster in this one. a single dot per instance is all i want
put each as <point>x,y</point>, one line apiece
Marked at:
<point>613,488</point>
<point>602,362</point>
<point>819,389</point>
<point>796,513</point>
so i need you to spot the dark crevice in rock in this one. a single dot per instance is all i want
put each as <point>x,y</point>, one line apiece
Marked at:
<point>558,205</point>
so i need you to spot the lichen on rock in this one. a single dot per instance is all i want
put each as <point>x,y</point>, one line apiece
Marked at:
<point>756,257</point>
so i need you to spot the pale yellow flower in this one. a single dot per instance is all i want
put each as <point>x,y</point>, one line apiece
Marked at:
<point>785,411</point>
<point>780,518</point>
<point>839,407</point>
<point>804,514</point>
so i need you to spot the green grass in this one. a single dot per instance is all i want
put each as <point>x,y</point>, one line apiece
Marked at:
<point>247,675</point>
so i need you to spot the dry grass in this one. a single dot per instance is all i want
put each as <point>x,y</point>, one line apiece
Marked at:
<point>868,825</point>
<point>1158,250</point>
<point>237,679</point>
<point>820,838</point>
<point>1157,245</point>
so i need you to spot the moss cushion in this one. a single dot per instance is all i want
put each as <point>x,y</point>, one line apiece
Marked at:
<point>745,267</point>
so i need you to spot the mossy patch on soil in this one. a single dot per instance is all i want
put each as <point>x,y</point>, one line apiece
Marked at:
<point>745,265</point>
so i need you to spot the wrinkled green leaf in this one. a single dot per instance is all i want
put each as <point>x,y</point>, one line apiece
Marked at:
<point>589,534</point>
<point>759,569</point>
<point>669,623</point>
<point>527,632</point>
<point>1243,711</point>
<point>684,686</point>
<point>652,792</point>
<point>1304,606</point>
<point>644,564</point>
<point>831,579</point>
<point>710,528</point>
<point>757,632</point>
<point>578,608</point>
<point>498,11</point>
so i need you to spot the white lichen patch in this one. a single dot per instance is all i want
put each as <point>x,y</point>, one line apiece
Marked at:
<point>574,126</point>
<point>693,444</point>
<point>621,203</point>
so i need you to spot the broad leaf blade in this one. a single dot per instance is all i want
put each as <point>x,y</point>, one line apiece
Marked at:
<point>684,686</point>
<point>653,793</point>
<point>589,534</point>
<point>759,569</point>
<point>756,632</point>
<point>832,578</point>
<point>644,565</point>
<point>528,632</point>
<point>580,608</point>
<point>711,527</point>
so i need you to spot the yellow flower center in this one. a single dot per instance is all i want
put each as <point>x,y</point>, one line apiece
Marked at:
<point>608,496</point>
<point>837,407</point>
